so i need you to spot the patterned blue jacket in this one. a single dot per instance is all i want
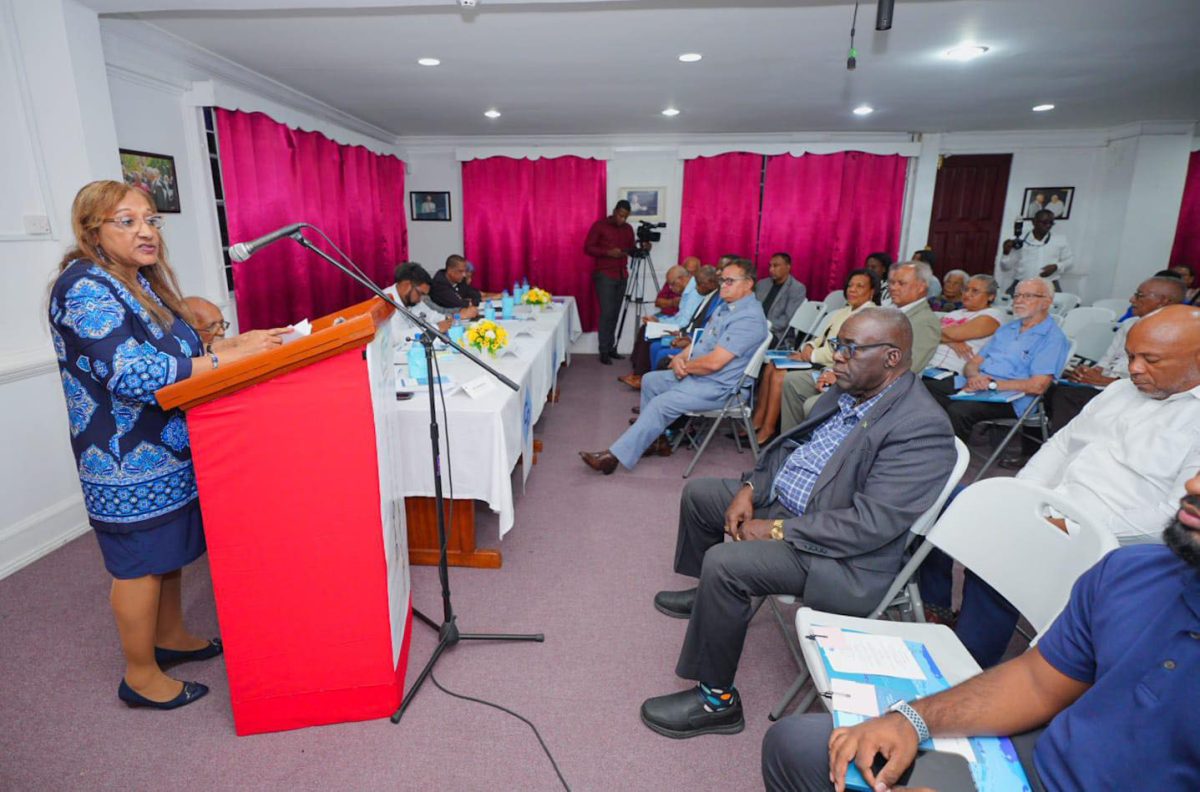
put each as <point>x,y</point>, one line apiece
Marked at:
<point>135,463</point>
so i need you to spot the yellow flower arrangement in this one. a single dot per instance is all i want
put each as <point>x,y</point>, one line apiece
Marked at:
<point>537,296</point>
<point>487,336</point>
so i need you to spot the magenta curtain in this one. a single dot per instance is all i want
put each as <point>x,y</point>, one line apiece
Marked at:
<point>1186,250</point>
<point>528,219</point>
<point>720,206</point>
<point>829,211</point>
<point>273,176</point>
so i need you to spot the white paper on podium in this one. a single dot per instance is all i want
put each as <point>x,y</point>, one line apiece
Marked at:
<point>299,330</point>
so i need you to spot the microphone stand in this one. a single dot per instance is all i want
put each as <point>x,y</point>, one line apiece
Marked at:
<point>448,634</point>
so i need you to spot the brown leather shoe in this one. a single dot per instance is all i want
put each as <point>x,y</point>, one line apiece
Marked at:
<point>603,461</point>
<point>632,380</point>
<point>660,447</point>
<point>633,419</point>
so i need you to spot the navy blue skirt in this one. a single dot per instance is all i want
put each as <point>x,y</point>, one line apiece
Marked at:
<point>155,551</point>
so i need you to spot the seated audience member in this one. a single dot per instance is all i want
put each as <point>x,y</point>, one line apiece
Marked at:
<point>667,301</point>
<point>696,309</point>
<point>861,290</point>
<point>880,264</point>
<point>411,287</point>
<point>1063,402</point>
<point>450,291</point>
<point>207,320</point>
<point>780,295</point>
<point>702,377</point>
<point>927,256</point>
<point>823,515</point>
<point>475,295</point>
<point>1122,462</point>
<point>909,287</point>
<point>951,298</point>
<point>1189,278</point>
<point>1105,700</point>
<point>1024,355</point>
<point>967,329</point>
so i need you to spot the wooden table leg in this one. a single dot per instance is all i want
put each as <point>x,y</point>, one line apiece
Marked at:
<point>421,515</point>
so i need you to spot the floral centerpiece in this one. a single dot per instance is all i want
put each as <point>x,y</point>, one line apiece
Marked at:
<point>487,336</point>
<point>537,296</point>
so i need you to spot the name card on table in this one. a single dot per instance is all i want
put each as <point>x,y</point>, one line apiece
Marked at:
<point>479,387</point>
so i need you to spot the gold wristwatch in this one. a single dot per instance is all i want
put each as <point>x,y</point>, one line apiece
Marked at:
<point>777,530</point>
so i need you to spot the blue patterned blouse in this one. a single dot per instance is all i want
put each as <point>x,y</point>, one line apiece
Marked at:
<point>135,463</point>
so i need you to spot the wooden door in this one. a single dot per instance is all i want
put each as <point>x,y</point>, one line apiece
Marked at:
<point>968,212</point>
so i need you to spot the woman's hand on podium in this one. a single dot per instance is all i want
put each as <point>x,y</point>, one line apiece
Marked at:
<point>247,344</point>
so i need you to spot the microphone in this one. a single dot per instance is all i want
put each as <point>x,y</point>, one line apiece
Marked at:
<point>244,250</point>
<point>883,14</point>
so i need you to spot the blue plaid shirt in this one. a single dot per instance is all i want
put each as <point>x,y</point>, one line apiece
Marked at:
<point>795,481</point>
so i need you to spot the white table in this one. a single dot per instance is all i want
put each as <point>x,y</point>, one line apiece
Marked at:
<point>481,438</point>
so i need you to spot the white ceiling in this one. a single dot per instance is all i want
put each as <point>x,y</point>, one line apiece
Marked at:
<point>581,67</point>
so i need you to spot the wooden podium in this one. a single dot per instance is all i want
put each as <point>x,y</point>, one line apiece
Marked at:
<point>306,534</point>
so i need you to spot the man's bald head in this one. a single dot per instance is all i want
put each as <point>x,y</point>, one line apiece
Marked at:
<point>677,278</point>
<point>1156,292</point>
<point>207,320</point>
<point>883,337</point>
<point>691,264</point>
<point>707,279</point>
<point>1164,351</point>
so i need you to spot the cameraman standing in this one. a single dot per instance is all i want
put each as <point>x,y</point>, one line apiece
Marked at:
<point>1037,254</point>
<point>608,243</point>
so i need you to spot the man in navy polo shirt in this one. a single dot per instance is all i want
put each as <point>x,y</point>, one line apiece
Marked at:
<point>1111,689</point>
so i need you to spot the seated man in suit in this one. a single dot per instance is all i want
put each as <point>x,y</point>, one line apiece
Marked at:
<point>1106,700</point>
<point>702,377</point>
<point>780,295</point>
<point>1063,402</point>
<point>451,293</point>
<point>823,515</point>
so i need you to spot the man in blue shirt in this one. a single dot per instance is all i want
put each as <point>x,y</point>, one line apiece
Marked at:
<point>700,378</point>
<point>1114,682</point>
<point>1025,355</point>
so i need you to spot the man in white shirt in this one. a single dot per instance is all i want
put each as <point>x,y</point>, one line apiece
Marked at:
<point>1063,402</point>
<point>1123,462</point>
<point>411,287</point>
<point>1039,254</point>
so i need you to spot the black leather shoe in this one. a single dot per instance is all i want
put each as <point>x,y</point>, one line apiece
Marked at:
<point>616,355</point>
<point>676,604</point>
<point>605,360</point>
<point>192,691</point>
<point>171,657</point>
<point>660,447</point>
<point>682,715</point>
<point>602,461</point>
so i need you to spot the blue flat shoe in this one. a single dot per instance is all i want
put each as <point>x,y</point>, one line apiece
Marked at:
<point>170,657</point>
<point>192,691</point>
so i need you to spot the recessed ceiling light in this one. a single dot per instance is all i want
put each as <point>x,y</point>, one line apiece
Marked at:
<point>864,110</point>
<point>1042,108</point>
<point>690,57</point>
<point>428,61</point>
<point>965,52</point>
<point>670,111</point>
<point>492,113</point>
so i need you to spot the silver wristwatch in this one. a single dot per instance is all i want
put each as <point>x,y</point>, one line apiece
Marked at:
<point>913,717</point>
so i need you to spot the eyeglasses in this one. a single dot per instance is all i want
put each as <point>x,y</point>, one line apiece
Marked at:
<point>1029,296</point>
<point>219,326</point>
<point>730,281</point>
<point>129,223</point>
<point>848,350</point>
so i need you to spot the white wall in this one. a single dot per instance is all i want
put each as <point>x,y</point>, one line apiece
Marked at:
<point>429,241</point>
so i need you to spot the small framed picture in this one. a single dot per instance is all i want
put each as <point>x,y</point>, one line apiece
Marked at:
<point>646,203</point>
<point>429,205</point>
<point>1057,200</point>
<point>154,173</point>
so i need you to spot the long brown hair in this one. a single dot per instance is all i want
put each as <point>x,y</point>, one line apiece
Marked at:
<point>92,206</point>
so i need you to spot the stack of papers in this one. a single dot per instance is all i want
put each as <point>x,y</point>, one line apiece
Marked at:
<point>300,329</point>
<point>993,397</point>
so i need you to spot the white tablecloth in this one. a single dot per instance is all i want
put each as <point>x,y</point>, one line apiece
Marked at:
<point>481,437</point>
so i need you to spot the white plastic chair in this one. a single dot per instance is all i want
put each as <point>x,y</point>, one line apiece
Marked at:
<point>902,597</point>
<point>835,300</point>
<point>997,529</point>
<point>1093,340</point>
<point>1116,305</point>
<point>1064,302</point>
<point>738,407</point>
<point>806,317</point>
<point>1078,318</point>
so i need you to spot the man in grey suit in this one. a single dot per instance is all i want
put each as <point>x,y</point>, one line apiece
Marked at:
<point>780,295</point>
<point>909,287</point>
<point>823,515</point>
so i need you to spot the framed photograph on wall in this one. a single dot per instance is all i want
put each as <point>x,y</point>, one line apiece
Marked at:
<point>154,173</point>
<point>647,203</point>
<point>429,205</point>
<point>1057,199</point>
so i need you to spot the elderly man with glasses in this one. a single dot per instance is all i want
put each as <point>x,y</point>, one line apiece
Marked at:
<point>207,320</point>
<point>701,377</point>
<point>823,515</point>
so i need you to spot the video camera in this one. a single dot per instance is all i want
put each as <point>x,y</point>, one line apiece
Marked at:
<point>646,232</point>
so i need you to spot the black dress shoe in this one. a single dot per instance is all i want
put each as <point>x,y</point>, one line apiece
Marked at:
<point>682,715</point>
<point>605,360</point>
<point>170,657</point>
<point>616,355</point>
<point>677,604</point>
<point>602,461</point>
<point>192,691</point>
<point>660,447</point>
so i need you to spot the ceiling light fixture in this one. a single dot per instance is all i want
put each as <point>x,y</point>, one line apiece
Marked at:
<point>690,57</point>
<point>670,112</point>
<point>864,110</point>
<point>492,113</point>
<point>428,61</point>
<point>965,52</point>
<point>1042,108</point>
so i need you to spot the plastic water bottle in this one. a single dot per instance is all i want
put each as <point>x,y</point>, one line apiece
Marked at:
<point>524,286</point>
<point>489,312</point>
<point>506,306</point>
<point>516,290</point>
<point>416,360</point>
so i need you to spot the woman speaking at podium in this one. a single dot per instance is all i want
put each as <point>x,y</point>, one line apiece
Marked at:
<point>120,333</point>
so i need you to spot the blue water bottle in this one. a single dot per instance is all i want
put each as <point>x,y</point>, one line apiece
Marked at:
<point>506,306</point>
<point>457,331</point>
<point>416,361</point>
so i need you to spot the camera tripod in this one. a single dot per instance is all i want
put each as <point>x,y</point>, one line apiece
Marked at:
<point>635,289</point>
